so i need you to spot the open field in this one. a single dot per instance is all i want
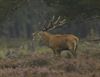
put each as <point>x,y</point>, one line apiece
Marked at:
<point>18,60</point>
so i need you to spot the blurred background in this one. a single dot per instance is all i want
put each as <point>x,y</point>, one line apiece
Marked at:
<point>19,18</point>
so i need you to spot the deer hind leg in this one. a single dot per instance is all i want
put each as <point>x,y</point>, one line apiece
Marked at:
<point>75,51</point>
<point>75,48</point>
<point>72,48</point>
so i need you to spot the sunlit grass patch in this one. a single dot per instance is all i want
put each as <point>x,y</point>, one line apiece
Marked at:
<point>14,47</point>
<point>43,49</point>
<point>2,54</point>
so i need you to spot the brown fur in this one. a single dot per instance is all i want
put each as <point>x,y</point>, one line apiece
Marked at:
<point>59,43</point>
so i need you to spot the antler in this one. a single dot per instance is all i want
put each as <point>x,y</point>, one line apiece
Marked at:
<point>54,23</point>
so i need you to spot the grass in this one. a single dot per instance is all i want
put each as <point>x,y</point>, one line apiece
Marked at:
<point>18,60</point>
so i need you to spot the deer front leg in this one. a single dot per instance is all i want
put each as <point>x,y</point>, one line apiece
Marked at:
<point>57,52</point>
<point>54,52</point>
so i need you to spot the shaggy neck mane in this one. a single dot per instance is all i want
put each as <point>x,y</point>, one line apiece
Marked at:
<point>46,36</point>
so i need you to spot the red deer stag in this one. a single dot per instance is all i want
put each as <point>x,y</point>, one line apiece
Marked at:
<point>57,42</point>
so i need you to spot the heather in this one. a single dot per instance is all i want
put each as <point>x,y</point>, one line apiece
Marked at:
<point>23,62</point>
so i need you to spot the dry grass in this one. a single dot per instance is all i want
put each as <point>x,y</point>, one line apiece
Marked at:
<point>35,64</point>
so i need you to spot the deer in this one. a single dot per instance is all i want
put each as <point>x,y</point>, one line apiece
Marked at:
<point>57,42</point>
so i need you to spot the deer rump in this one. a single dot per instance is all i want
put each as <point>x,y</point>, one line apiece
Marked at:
<point>59,43</point>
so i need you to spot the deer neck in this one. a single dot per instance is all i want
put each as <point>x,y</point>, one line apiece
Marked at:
<point>46,37</point>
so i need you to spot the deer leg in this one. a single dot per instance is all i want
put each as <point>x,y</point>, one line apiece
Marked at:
<point>57,52</point>
<point>71,49</point>
<point>54,52</point>
<point>75,53</point>
<point>74,50</point>
<point>72,54</point>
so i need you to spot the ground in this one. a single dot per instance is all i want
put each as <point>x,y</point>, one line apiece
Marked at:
<point>23,62</point>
